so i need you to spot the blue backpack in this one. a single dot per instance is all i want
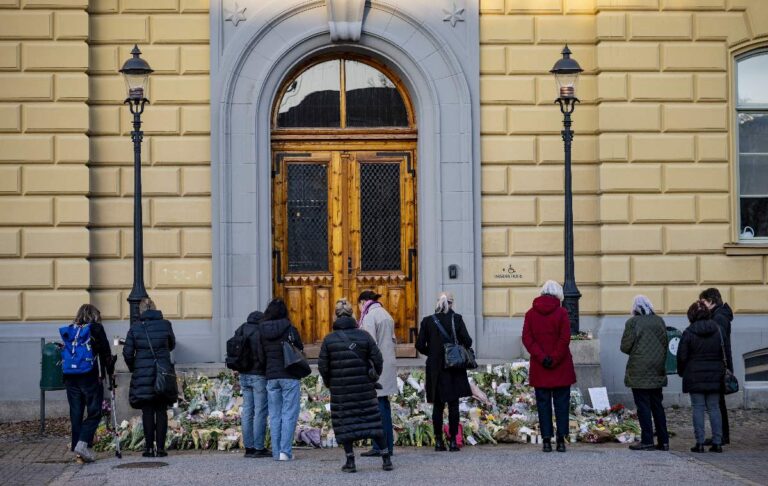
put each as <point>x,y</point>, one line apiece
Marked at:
<point>76,355</point>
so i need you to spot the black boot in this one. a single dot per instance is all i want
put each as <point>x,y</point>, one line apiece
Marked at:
<point>148,452</point>
<point>161,453</point>
<point>560,444</point>
<point>349,467</point>
<point>716,448</point>
<point>547,447</point>
<point>453,446</point>
<point>386,462</point>
<point>440,444</point>
<point>698,448</point>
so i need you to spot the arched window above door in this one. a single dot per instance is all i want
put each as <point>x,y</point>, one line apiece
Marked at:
<point>342,93</point>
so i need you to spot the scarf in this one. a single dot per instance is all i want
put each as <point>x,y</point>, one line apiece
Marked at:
<point>369,304</point>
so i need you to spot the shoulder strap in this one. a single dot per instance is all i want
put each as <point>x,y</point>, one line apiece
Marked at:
<point>149,340</point>
<point>442,330</point>
<point>350,345</point>
<point>722,346</point>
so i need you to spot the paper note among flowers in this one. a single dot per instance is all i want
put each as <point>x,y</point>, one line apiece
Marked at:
<point>599,398</point>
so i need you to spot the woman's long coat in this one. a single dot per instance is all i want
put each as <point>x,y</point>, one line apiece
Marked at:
<point>443,385</point>
<point>379,324</point>
<point>138,356</point>
<point>547,332</point>
<point>354,406</point>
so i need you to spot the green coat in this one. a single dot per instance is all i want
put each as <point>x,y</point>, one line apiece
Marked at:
<point>645,341</point>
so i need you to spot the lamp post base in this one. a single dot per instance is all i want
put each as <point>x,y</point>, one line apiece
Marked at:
<point>571,304</point>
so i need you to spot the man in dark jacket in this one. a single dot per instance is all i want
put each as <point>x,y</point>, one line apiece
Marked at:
<point>700,363</point>
<point>86,391</point>
<point>150,339</point>
<point>345,357</point>
<point>723,315</point>
<point>253,385</point>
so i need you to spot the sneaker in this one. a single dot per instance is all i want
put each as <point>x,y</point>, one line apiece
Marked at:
<point>81,449</point>
<point>371,453</point>
<point>262,452</point>
<point>698,448</point>
<point>716,448</point>
<point>250,452</point>
<point>284,457</point>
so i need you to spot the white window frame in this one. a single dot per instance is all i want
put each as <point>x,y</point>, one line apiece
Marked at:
<point>752,108</point>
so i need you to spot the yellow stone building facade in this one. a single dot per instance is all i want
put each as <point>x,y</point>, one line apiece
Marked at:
<point>655,156</point>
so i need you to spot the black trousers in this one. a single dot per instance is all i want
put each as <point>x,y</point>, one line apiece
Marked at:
<point>545,398</point>
<point>379,441</point>
<point>84,392</point>
<point>724,415</point>
<point>155,421</point>
<point>453,418</point>
<point>650,412</point>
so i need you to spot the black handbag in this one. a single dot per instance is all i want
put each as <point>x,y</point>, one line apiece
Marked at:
<point>457,356</point>
<point>165,385</point>
<point>372,375</point>
<point>730,383</point>
<point>294,361</point>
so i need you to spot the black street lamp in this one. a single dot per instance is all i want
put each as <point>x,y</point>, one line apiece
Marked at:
<point>566,71</point>
<point>136,72</point>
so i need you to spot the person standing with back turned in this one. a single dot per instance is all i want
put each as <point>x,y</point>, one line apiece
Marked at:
<point>645,341</point>
<point>723,316</point>
<point>378,323</point>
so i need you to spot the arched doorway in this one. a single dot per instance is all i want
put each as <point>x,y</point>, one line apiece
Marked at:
<point>344,206</point>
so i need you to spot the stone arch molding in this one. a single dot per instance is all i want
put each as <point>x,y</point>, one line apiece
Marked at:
<point>439,65</point>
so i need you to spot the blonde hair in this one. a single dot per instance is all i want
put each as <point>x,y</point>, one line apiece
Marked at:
<point>444,303</point>
<point>87,314</point>
<point>343,307</point>
<point>146,304</point>
<point>552,288</point>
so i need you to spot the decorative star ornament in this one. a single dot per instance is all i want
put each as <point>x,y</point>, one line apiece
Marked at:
<point>457,15</point>
<point>236,15</point>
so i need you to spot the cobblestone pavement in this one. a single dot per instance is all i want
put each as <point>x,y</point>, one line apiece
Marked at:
<point>28,459</point>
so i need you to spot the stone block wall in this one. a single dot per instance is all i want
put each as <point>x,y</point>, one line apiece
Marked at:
<point>44,243</point>
<point>653,172</point>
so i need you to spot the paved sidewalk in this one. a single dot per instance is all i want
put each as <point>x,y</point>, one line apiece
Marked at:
<point>26,459</point>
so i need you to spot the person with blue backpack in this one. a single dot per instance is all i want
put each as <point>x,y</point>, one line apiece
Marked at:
<point>86,358</point>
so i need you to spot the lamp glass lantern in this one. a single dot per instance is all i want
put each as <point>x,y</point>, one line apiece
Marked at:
<point>136,72</point>
<point>566,71</point>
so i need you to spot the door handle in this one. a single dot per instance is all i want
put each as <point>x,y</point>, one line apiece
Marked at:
<point>278,266</point>
<point>411,253</point>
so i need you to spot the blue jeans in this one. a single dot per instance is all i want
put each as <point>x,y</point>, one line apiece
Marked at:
<point>283,397</point>
<point>707,402</point>
<point>385,410</point>
<point>84,392</point>
<point>254,413</point>
<point>544,399</point>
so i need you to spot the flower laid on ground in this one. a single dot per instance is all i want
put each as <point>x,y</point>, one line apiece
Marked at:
<point>502,409</point>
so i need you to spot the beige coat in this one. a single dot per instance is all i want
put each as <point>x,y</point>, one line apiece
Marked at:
<point>381,326</point>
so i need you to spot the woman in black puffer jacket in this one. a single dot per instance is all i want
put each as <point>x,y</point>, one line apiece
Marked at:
<point>141,362</point>
<point>701,363</point>
<point>345,358</point>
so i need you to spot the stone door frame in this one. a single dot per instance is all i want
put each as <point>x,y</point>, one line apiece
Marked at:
<point>439,65</point>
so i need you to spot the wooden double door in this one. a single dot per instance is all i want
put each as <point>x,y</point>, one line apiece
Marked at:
<point>344,221</point>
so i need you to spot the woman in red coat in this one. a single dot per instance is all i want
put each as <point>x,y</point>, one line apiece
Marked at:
<point>546,335</point>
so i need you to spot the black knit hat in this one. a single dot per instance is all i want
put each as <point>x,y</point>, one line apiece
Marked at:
<point>367,295</point>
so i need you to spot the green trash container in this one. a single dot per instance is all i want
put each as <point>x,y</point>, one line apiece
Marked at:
<point>51,377</point>
<point>673,338</point>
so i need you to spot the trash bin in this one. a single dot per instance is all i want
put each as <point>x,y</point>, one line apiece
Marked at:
<point>673,338</point>
<point>51,377</point>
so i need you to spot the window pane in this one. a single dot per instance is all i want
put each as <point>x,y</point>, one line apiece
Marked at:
<point>312,99</point>
<point>752,76</point>
<point>380,217</point>
<point>754,213</point>
<point>307,217</point>
<point>753,175</point>
<point>753,133</point>
<point>372,98</point>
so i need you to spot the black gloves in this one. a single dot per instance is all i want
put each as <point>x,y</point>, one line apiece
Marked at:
<point>547,362</point>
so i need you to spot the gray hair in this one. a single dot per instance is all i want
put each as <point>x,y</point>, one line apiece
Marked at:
<point>641,306</point>
<point>343,308</point>
<point>552,288</point>
<point>146,304</point>
<point>444,303</point>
